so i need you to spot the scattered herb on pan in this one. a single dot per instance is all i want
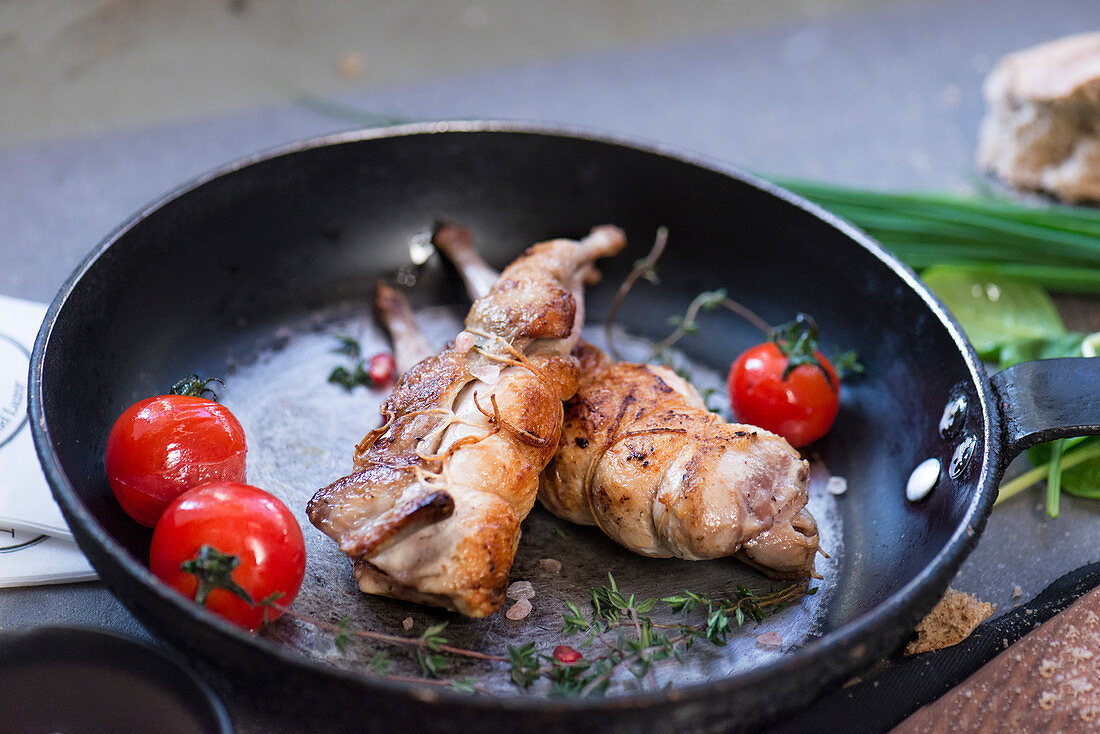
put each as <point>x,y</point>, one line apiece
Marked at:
<point>617,634</point>
<point>1010,321</point>
<point>373,372</point>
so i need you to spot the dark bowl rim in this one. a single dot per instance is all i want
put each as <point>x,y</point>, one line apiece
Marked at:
<point>902,608</point>
<point>62,638</point>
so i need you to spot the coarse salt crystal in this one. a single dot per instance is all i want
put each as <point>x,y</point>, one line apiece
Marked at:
<point>836,485</point>
<point>770,639</point>
<point>521,590</point>
<point>550,565</point>
<point>487,373</point>
<point>519,610</point>
<point>465,341</point>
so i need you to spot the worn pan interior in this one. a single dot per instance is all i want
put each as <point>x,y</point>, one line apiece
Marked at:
<point>248,272</point>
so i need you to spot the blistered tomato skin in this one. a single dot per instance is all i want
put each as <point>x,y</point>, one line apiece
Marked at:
<point>801,408</point>
<point>237,520</point>
<point>162,446</point>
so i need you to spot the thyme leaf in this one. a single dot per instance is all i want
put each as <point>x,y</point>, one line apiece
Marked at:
<point>380,663</point>
<point>524,663</point>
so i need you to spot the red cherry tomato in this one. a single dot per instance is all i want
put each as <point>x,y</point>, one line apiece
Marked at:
<point>800,408</point>
<point>238,541</point>
<point>163,446</point>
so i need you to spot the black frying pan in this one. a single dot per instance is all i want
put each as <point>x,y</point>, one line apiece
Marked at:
<point>242,272</point>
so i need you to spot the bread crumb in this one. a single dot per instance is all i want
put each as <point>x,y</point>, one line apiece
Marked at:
<point>950,622</point>
<point>407,623</point>
<point>1017,592</point>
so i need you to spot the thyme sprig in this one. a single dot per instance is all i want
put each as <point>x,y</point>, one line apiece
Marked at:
<point>620,637</point>
<point>195,386</point>
<point>688,324</point>
<point>358,371</point>
<point>348,377</point>
<point>644,268</point>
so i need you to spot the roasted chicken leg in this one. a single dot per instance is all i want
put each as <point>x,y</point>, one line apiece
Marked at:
<point>642,457</point>
<point>433,510</point>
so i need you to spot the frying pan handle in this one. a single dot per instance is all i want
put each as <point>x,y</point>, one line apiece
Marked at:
<point>1047,399</point>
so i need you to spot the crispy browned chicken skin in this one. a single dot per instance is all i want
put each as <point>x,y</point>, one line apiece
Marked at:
<point>433,510</point>
<point>642,457</point>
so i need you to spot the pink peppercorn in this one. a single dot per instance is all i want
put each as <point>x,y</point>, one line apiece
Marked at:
<point>381,368</point>
<point>566,655</point>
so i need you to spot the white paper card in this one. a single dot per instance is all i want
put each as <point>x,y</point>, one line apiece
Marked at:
<point>25,500</point>
<point>32,559</point>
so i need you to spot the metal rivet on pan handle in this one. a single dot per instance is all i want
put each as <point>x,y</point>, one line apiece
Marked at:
<point>923,478</point>
<point>962,456</point>
<point>954,416</point>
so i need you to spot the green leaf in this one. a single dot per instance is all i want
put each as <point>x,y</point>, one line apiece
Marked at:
<point>524,664</point>
<point>431,666</point>
<point>342,377</point>
<point>995,312</point>
<point>380,663</point>
<point>343,634</point>
<point>347,346</point>
<point>1081,480</point>
<point>463,685</point>
<point>1057,345</point>
<point>709,300</point>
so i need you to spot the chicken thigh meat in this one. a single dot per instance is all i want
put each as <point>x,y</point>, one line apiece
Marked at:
<point>432,511</point>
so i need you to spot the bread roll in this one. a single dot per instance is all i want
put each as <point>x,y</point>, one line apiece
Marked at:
<point>1042,127</point>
